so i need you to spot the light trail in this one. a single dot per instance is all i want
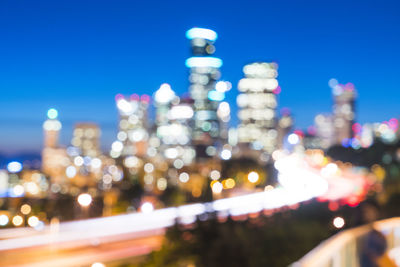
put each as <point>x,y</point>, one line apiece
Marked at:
<point>299,183</point>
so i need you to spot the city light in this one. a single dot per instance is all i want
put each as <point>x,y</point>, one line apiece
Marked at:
<point>3,220</point>
<point>52,114</point>
<point>180,112</point>
<point>216,96</point>
<point>338,222</point>
<point>147,207</point>
<point>84,200</point>
<point>14,166</point>
<point>201,33</point>
<point>217,187</point>
<point>164,94</point>
<point>223,86</point>
<point>17,220</point>
<point>26,209</point>
<point>168,150</point>
<point>33,221</point>
<point>293,139</point>
<point>70,171</point>
<point>18,190</point>
<point>184,177</point>
<point>226,154</point>
<point>215,175</point>
<point>253,177</point>
<point>52,125</point>
<point>203,62</point>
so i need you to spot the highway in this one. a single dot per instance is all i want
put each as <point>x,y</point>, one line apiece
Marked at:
<point>81,243</point>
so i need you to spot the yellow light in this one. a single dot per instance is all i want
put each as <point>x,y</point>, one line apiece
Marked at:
<point>17,220</point>
<point>268,188</point>
<point>253,177</point>
<point>33,221</point>
<point>229,183</point>
<point>98,264</point>
<point>26,209</point>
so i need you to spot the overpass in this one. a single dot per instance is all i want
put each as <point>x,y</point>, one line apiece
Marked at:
<point>343,249</point>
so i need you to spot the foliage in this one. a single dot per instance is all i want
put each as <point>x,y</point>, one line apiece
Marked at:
<point>262,241</point>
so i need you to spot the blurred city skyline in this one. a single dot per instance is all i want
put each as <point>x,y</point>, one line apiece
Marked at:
<point>71,57</point>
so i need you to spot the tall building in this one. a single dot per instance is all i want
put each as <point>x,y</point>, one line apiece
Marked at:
<point>204,72</point>
<point>51,128</point>
<point>324,130</point>
<point>173,116</point>
<point>257,102</point>
<point>132,138</point>
<point>86,138</point>
<point>54,158</point>
<point>343,110</point>
<point>285,125</point>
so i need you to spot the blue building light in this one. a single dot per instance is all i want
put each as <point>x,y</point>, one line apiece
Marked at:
<point>203,62</point>
<point>216,96</point>
<point>201,33</point>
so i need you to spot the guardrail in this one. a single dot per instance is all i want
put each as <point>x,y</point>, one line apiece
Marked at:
<point>343,249</point>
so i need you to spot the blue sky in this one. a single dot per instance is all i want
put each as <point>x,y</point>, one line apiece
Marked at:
<point>77,55</point>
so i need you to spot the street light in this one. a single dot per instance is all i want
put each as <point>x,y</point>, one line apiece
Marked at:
<point>147,207</point>
<point>253,177</point>
<point>84,200</point>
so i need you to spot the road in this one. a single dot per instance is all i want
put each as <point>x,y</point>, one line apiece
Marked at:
<point>81,243</point>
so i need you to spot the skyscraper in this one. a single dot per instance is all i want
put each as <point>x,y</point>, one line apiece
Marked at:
<point>257,104</point>
<point>173,115</point>
<point>133,134</point>
<point>51,128</point>
<point>86,138</point>
<point>343,110</point>
<point>324,130</point>
<point>284,127</point>
<point>54,158</point>
<point>204,72</point>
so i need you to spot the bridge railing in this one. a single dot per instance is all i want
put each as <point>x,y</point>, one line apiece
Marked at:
<point>343,249</point>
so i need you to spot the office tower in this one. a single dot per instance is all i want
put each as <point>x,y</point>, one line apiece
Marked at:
<point>54,158</point>
<point>204,72</point>
<point>86,138</point>
<point>343,110</point>
<point>324,130</point>
<point>173,116</point>
<point>51,128</point>
<point>285,125</point>
<point>257,102</point>
<point>132,138</point>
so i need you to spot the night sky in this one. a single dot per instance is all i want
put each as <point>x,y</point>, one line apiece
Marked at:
<point>77,55</point>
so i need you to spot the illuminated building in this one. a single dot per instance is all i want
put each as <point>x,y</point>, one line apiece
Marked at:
<point>54,158</point>
<point>51,128</point>
<point>3,183</point>
<point>343,111</point>
<point>204,72</point>
<point>324,130</point>
<point>133,126</point>
<point>173,116</point>
<point>86,138</point>
<point>257,104</point>
<point>285,124</point>
<point>224,110</point>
